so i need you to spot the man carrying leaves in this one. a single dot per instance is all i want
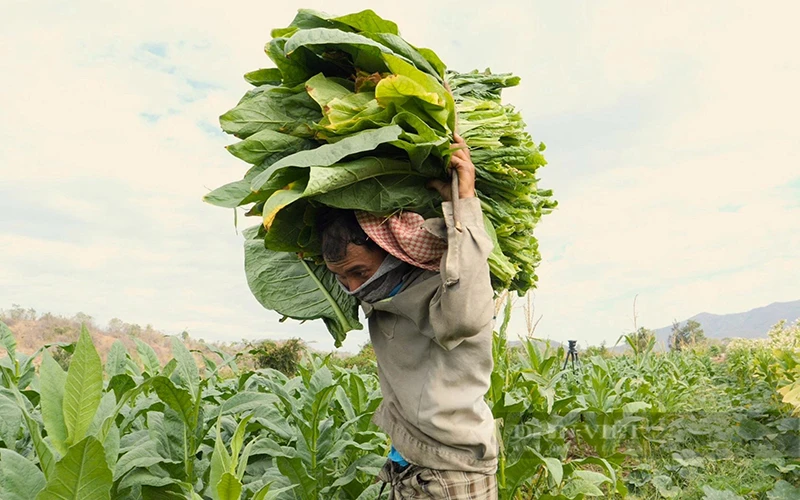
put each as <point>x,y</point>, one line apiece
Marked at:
<point>432,334</point>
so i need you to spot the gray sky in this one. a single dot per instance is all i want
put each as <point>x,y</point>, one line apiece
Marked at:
<point>671,130</point>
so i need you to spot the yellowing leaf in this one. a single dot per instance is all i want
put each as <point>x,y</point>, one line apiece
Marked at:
<point>398,89</point>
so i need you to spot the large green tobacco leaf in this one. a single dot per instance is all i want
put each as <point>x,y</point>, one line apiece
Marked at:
<point>370,464</point>
<point>304,19</point>
<point>354,113</point>
<point>384,194</point>
<point>404,49</point>
<point>434,60</point>
<point>578,487</point>
<point>152,477</point>
<point>144,455</point>
<point>20,479</point>
<point>245,401</point>
<point>292,114</point>
<point>522,470</point>
<point>373,184</point>
<point>117,360</point>
<point>265,76</point>
<point>292,229</point>
<point>308,416</point>
<point>398,89</point>
<point>220,463</point>
<point>124,385</point>
<point>170,432</point>
<point>237,441</point>
<point>366,53</point>
<point>303,62</point>
<point>104,429</point>
<point>229,487</point>
<point>148,357</point>
<point>322,180</point>
<point>10,420</point>
<point>329,154</point>
<point>295,70</point>
<point>83,389</point>
<point>370,25</point>
<point>408,82</point>
<point>187,366</point>
<point>347,112</point>
<point>8,341</point>
<point>324,90</point>
<point>82,474</point>
<point>279,200</point>
<point>43,452</point>
<point>178,398</point>
<point>261,145</point>
<point>111,445</point>
<point>298,289</point>
<point>52,384</point>
<point>231,195</point>
<point>295,471</point>
<point>367,20</point>
<point>238,193</point>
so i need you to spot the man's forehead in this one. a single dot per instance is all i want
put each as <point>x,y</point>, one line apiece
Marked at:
<point>355,257</point>
<point>346,264</point>
<point>352,255</point>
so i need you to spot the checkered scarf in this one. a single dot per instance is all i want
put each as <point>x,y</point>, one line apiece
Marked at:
<point>404,236</point>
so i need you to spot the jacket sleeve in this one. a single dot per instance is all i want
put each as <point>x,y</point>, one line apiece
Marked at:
<point>464,305</point>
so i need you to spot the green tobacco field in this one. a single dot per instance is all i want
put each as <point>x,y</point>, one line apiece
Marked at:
<point>700,422</point>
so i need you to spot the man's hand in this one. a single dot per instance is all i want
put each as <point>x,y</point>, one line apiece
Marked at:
<point>462,163</point>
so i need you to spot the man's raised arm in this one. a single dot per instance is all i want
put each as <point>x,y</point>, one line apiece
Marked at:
<point>464,305</point>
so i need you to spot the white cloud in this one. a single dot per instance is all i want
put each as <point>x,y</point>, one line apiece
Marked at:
<point>707,234</point>
<point>670,130</point>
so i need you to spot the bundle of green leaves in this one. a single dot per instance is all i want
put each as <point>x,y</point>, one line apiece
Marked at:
<point>355,117</point>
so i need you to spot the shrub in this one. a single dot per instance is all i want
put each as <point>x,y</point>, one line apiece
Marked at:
<point>283,356</point>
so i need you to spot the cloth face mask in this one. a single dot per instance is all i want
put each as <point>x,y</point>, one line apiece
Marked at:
<point>380,285</point>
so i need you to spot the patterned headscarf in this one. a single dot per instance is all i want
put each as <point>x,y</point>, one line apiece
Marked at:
<point>404,236</point>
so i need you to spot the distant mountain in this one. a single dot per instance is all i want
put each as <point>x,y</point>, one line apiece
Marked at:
<point>751,324</point>
<point>32,331</point>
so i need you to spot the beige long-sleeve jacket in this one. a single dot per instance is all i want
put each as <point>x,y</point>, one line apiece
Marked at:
<point>433,342</point>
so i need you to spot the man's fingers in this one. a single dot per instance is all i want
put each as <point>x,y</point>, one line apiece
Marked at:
<point>459,147</point>
<point>459,163</point>
<point>462,153</point>
<point>442,187</point>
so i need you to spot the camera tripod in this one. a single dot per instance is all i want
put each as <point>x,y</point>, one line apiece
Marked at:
<point>572,354</point>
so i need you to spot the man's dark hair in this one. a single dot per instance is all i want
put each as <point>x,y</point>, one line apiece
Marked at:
<point>337,229</point>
